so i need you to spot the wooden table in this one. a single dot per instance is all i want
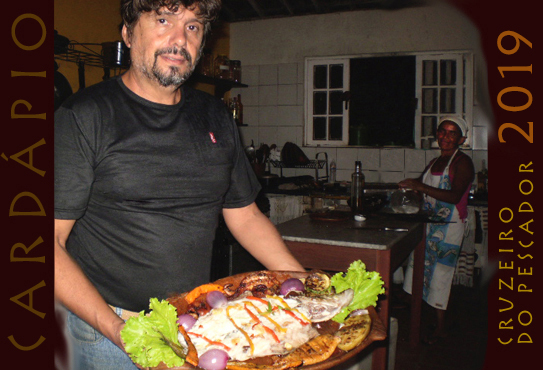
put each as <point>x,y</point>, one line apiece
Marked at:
<point>333,245</point>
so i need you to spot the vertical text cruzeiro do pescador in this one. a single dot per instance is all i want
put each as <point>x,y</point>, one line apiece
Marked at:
<point>516,228</point>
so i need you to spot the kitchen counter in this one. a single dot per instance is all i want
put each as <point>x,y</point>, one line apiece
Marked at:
<point>334,245</point>
<point>349,233</point>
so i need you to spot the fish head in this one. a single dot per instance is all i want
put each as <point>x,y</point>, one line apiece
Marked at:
<point>324,307</point>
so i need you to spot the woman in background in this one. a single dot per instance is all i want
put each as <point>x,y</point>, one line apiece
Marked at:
<point>445,185</point>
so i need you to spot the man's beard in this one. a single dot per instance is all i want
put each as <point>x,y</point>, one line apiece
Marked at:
<point>173,76</point>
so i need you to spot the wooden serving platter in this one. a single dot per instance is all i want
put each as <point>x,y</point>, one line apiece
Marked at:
<point>377,332</point>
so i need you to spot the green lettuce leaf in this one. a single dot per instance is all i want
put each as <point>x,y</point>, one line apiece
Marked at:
<point>366,285</point>
<point>143,336</point>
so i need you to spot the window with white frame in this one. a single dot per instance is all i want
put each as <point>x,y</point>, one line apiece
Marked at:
<point>327,118</point>
<point>385,100</point>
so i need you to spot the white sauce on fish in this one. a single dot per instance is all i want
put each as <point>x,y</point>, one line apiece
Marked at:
<point>274,325</point>
<point>219,325</point>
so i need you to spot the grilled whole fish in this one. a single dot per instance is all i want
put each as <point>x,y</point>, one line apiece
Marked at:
<point>249,327</point>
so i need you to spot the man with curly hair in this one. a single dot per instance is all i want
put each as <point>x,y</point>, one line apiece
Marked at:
<point>144,166</point>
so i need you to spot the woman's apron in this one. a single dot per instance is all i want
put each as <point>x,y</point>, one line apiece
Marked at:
<point>443,243</point>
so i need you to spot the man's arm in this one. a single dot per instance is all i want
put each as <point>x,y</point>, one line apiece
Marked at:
<point>76,292</point>
<point>256,233</point>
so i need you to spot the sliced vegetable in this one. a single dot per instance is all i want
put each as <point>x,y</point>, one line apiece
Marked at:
<point>290,313</point>
<point>263,301</point>
<point>317,283</point>
<point>265,314</point>
<point>192,353</point>
<point>220,344</point>
<point>257,320</point>
<point>251,344</point>
<point>202,289</point>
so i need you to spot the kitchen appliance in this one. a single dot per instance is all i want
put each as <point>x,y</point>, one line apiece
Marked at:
<point>115,54</point>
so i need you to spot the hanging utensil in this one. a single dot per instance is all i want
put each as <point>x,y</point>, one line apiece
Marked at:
<point>250,151</point>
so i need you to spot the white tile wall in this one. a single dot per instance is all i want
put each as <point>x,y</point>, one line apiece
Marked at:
<point>289,115</point>
<point>345,159</point>
<point>294,135</point>
<point>415,160</point>
<point>249,96</point>
<point>431,154</point>
<point>392,159</point>
<point>249,75</point>
<point>267,75</point>
<point>267,95</point>
<point>251,115</point>
<point>372,176</point>
<point>287,94</point>
<point>268,135</point>
<point>287,73</point>
<point>300,96</point>
<point>267,116</point>
<point>391,177</point>
<point>274,113</point>
<point>370,158</point>
<point>412,175</point>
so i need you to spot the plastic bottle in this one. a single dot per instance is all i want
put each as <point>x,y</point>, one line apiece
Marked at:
<point>358,183</point>
<point>332,172</point>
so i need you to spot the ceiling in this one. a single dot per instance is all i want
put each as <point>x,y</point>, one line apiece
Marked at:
<point>249,10</point>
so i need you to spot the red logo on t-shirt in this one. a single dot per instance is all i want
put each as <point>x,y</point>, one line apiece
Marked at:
<point>213,140</point>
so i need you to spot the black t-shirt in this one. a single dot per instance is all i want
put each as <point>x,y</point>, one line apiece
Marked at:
<point>146,183</point>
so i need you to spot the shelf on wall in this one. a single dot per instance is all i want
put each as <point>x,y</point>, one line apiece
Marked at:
<point>78,53</point>
<point>315,164</point>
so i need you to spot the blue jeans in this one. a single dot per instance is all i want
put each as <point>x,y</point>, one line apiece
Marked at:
<point>90,350</point>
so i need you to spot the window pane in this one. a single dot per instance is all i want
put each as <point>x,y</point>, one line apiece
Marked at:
<point>319,128</point>
<point>447,102</point>
<point>428,134</point>
<point>336,128</point>
<point>319,102</point>
<point>448,72</point>
<point>320,74</point>
<point>429,71</point>
<point>429,100</point>
<point>336,103</point>
<point>429,124</point>
<point>336,76</point>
